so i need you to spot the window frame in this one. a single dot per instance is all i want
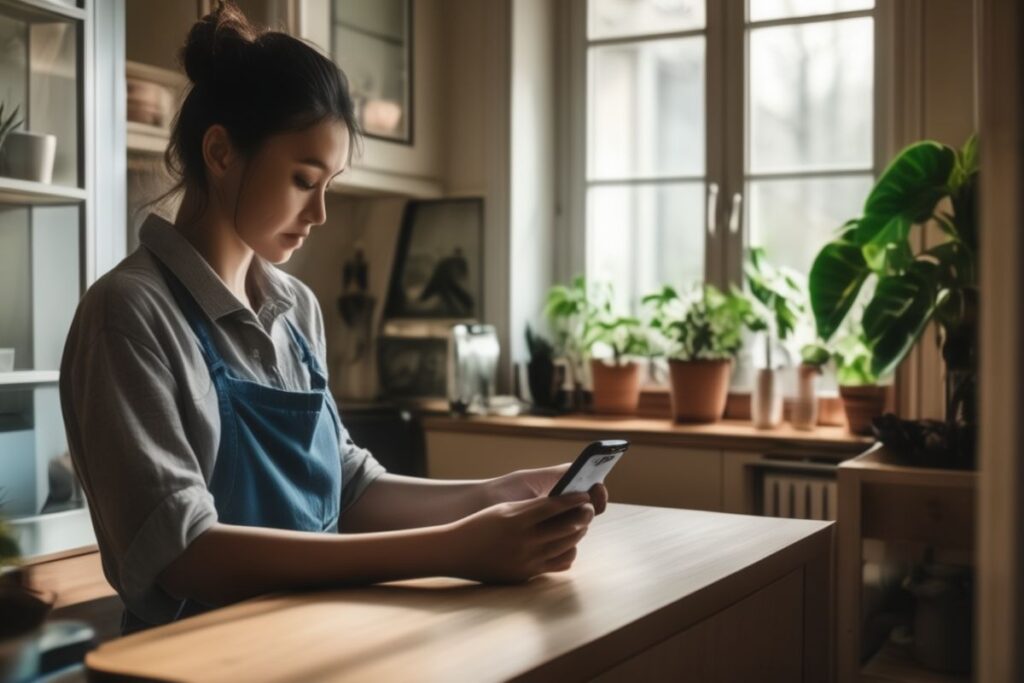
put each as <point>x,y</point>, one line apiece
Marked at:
<point>726,125</point>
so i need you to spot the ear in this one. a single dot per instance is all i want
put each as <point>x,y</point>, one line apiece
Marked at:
<point>218,152</point>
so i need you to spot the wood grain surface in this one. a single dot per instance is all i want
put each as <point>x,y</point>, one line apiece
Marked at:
<point>643,574</point>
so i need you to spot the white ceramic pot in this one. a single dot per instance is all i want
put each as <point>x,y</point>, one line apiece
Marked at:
<point>6,360</point>
<point>766,399</point>
<point>29,156</point>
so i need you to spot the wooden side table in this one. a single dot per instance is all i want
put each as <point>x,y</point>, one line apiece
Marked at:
<point>880,499</point>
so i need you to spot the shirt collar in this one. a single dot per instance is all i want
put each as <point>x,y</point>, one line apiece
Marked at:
<point>205,286</point>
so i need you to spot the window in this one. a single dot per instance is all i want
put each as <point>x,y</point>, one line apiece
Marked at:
<point>712,126</point>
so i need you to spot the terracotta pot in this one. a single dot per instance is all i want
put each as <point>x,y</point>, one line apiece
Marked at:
<point>862,404</point>
<point>700,389</point>
<point>616,387</point>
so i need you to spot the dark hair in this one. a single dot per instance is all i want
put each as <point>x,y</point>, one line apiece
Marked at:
<point>255,83</point>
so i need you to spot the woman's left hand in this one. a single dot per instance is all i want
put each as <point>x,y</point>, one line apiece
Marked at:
<point>523,484</point>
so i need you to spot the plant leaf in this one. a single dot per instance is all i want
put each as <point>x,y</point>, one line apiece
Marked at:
<point>836,277</point>
<point>898,313</point>
<point>910,187</point>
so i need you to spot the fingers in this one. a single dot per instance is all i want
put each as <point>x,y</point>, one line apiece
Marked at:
<point>559,546</point>
<point>599,497</point>
<point>539,509</point>
<point>562,562</point>
<point>565,523</point>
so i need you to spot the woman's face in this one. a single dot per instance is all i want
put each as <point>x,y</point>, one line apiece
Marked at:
<point>281,194</point>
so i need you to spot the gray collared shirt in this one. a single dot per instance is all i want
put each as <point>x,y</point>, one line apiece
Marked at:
<point>141,412</point>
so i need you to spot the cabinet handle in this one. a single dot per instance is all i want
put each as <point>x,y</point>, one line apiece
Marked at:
<point>712,215</point>
<point>735,213</point>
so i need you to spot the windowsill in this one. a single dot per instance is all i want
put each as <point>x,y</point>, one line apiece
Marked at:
<point>824,441</point>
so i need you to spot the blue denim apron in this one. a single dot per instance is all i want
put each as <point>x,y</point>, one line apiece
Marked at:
<point>278,462</point>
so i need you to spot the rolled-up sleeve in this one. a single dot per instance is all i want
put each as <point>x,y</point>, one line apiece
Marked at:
<point>147,493</point>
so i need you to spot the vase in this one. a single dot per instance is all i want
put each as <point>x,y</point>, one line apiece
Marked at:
<point>766,399</point>
<point>804,414</point>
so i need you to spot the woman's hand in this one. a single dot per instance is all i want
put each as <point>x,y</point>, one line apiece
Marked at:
<point>514,541</point>
<point>524,484</point>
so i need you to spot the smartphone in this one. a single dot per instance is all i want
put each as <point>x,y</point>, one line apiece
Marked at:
<point>590,467</point>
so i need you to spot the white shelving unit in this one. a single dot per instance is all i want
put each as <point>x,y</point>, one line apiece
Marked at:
<point>55,238</point>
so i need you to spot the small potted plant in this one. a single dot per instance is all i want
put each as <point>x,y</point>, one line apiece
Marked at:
<point>23,610</point>
<point>862,393</point>
<point>778,294</point>
<point>571,314</point>
<point>616,380</point>
<point>701,333</point>
<point>25,155</point>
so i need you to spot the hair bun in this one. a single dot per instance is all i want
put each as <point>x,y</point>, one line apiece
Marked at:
<point>216,42</point>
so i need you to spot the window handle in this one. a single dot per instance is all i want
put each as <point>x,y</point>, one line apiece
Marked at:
<point>735,213</point>
<point>712,208</point>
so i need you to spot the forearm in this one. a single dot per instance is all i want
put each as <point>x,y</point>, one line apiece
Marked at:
<point>399,502</point>
<point>230,563</point>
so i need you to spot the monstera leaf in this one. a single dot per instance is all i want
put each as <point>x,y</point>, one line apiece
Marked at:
<point>898,313</point>
<point>838,273</point>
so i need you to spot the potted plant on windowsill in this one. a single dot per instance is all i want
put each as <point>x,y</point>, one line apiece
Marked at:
<point>616,380</point>
<point>927,183</point>
<point>813,358</point>
<point>862,393</point>
<point>570,310</point>
<point>778,294</point>
<point>701,334</point>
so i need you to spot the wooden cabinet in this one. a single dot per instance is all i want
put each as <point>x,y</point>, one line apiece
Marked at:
<point>156,31</point>
<point>885,501</point>
<point>663,476</point>
<point>704,467</point>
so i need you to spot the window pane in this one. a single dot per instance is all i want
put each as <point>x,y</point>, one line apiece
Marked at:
<point>612,18</point>
<point>793,219</point>
<point>646,109</point>
<point>762,10</point>
<point>640,237</point>
<point>811,92</point>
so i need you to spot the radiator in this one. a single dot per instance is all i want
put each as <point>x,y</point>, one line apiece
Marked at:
<point>800,496</point>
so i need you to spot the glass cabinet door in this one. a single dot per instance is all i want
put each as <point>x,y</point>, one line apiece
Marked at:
<point>43,195</point>
<point>371,40</point>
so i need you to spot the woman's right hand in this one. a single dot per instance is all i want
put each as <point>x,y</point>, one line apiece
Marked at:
<point>512,542</point>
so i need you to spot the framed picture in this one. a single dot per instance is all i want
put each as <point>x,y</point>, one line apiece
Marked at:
<point>438,261</point>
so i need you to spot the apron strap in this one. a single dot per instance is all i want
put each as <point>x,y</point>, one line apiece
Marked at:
<point>194,317</point>
<point>318,379</point>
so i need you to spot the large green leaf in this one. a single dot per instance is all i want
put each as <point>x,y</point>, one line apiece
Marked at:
<point>898,313</point>
<point>836,277</point>
<point>910,187</point>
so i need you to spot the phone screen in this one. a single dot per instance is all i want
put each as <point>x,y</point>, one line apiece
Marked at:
<point>592,472</point>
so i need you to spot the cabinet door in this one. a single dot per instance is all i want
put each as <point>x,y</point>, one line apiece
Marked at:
<point>647,475</point>
<point>323,22</point>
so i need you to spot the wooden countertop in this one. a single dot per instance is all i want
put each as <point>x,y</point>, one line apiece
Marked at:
<point>642,574</point>
<point>726,434</point>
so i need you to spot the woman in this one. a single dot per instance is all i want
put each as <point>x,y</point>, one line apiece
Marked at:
<point>193,383</point>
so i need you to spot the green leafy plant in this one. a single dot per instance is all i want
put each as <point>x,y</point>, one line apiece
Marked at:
<point>815,354</point>
<point>703,324</point>
<point>583,316</point>
<point>780,295</point>
<point>926,182</point>
<point>8,123</point>
<point>853,362</point>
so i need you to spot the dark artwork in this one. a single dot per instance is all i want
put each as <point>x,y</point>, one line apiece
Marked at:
<point>414,368</point>
<point>437,270</point>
